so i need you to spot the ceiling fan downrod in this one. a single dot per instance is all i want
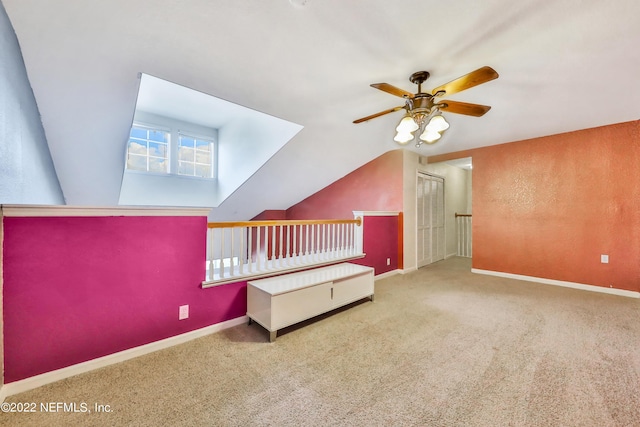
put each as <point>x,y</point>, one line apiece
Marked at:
<point>418,78</point>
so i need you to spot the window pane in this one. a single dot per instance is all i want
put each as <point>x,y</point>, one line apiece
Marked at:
<point>157,149</point>
<point>186,154</point>
<point>202,145</point>
<point>136,162</point>
<point>148,150</point>
<point>185,168</point>
<point>157,164</point>
<point>137,147</point>
<point>139,133</point>
<point>203,171</point>
<point>156,135</point>
<point>185,141</point>
<point>203,157</point>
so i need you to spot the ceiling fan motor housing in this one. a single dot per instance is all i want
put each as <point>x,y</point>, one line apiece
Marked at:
<point>421,104</point>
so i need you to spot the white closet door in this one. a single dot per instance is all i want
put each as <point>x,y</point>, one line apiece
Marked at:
<point>430,219</point>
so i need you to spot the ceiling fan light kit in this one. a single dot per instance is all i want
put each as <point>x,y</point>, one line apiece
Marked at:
<point>423,113</point>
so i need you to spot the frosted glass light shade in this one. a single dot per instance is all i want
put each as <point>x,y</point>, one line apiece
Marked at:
<point>407,125</point>
<point>403,137</point>
<point>438,124</point>
<point>430,136</point>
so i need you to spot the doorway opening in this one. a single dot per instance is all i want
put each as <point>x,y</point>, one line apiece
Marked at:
<point>431,239</point>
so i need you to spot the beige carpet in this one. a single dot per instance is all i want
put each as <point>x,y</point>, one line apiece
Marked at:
<point>438,347</point>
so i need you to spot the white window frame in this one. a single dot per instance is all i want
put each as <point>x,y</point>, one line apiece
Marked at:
<point>213,150</point>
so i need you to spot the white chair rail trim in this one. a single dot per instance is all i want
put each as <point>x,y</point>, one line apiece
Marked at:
<point>72,211</point>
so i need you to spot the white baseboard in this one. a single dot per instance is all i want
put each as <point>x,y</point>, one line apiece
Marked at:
<point>3,393</point>
<point>387,274</point>
<point>408,270</point>
<point>111,359</point>
<point>581,286</point>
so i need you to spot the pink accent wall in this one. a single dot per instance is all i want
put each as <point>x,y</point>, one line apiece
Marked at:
<point>549,207</point>
<point>380,241</point>
<point>78,288</point>
<point>376,186</point>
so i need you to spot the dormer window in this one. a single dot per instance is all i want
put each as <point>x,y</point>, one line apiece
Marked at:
<point>205,148</point>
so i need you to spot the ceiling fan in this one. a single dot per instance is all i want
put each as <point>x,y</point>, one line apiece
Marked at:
<point>421,106</point>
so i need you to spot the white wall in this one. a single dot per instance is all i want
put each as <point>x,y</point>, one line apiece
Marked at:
<point>27,173</point>
<point>246,144</point>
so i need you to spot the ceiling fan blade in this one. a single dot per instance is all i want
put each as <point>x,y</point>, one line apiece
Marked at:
<point>465,108</point>
<point>381,113</point>
<point>392,90</point>
<point>474,78</point>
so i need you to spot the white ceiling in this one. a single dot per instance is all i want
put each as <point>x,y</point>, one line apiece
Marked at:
<point>563,65</point>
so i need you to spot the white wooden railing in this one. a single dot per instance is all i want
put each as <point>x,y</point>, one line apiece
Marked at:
<point>249,249</point>
<point>463,234</point>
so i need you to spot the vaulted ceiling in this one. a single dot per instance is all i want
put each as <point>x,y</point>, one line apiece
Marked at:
<point>564,65</point>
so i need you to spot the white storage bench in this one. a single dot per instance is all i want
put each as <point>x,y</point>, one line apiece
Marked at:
<point>281,301</point>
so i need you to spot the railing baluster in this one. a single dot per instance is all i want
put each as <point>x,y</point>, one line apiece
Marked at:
<point>347,231</point>
<point>333,238</point>
<point>307,242</point>
<point>352,237</point>
<point>281,247</point>
<point>313,241</point>
<point>210,252</point>
<point>250,248</point>
<point>241,251</point>
<point>231,264</point>
<point>323,246</point>
<point>288,245</point>
<point>293,253</point>
<point>344,238</point>
<point>347,239</point>
<point>264,255</point>
<point>221,269</point>
<point>258,267</point>
<point>273,246</point>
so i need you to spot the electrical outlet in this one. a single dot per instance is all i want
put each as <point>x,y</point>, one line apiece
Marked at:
<point>604,259</point>
<point>388,261</point>
<point>183,312</point>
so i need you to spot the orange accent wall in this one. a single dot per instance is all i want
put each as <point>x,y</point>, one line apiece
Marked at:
<point>376,186</point>
<point>549,207</point>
